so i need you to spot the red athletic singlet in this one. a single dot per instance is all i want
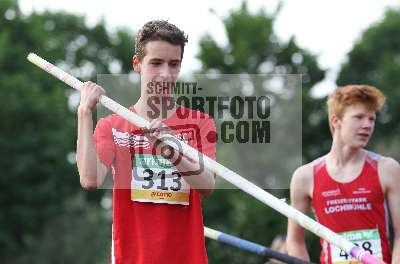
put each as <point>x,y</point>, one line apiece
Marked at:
<point>156,217</point>
<point>356,210</point>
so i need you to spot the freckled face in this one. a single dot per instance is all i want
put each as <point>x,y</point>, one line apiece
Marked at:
<point>356,126</point>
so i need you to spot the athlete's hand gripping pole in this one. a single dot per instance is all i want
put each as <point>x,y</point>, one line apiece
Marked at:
<point>220,170</point>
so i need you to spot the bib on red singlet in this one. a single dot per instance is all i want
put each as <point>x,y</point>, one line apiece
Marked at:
<point>367,239</point>
<point>156,180</point>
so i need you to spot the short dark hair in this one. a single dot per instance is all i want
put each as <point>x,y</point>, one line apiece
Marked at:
<point>159,30</point>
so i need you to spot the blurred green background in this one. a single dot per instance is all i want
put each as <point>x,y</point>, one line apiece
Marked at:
<point>46,217</point>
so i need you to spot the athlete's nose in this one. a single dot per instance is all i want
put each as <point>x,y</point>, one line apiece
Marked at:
<point>368,124</point>
<point>166,73</point>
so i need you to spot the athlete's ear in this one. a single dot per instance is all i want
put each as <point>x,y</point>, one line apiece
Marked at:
<point>335,122</point>
<point>136,64</point>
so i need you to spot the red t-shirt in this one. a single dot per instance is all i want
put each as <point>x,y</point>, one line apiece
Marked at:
<point>357,210</point>
<point>153,232</point>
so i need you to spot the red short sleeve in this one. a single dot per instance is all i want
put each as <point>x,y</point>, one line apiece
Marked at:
<point>104,142</point>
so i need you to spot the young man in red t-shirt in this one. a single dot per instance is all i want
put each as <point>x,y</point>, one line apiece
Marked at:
<point>156,197</point>
<point>350,189</point>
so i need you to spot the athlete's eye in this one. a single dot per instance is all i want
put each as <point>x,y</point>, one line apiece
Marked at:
<point>174,64</point>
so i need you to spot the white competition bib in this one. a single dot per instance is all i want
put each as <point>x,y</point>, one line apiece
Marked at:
<point>368,239</point>
<point>156,180</point>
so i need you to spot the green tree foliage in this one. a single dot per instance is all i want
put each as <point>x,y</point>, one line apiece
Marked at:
<point>80,234</point>
<point>46,218</point>
<point>254,48</point>
<point>38,132</point>
<point>235,213</point>
<point>375,60</point>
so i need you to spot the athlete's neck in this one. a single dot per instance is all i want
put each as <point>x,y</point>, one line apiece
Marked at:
<point>341,155</point>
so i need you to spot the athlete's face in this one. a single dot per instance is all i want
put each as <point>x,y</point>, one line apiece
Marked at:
<point>161,63</point>
<point>356,126</point>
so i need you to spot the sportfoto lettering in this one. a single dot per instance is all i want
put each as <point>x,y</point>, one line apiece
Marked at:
<point>223,107</point>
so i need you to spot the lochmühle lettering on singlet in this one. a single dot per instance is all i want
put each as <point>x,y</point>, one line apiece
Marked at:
<point>356,210</point>
<point>157,217</point>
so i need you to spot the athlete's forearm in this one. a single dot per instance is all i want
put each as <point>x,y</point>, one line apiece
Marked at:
<point>86,155</point>
<point>396,251</point>
<point>296,244</point>
<point>297,250</point>
<point>197,176</point>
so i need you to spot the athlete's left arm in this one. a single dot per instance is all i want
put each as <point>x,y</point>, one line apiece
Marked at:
<point>202,179</point>
<point>390,176</point>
